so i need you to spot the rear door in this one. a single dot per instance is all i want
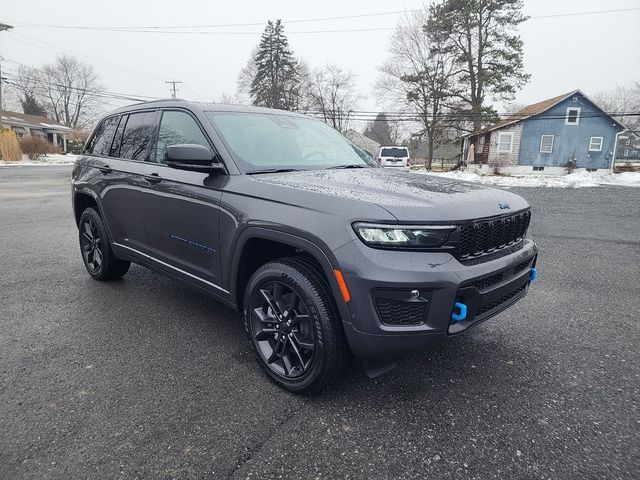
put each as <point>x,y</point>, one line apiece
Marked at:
<point>118,150</point>
<point>182,209</point>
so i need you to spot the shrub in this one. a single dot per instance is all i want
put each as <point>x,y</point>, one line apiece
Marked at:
<point>76,141</point>
<point>35,146</point>
<point>9,146</point>
<point>570,166</point>
<point>497,163</point>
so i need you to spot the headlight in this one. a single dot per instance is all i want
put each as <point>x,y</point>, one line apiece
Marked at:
<point>393,236</point>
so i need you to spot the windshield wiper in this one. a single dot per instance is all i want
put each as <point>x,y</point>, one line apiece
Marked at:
<point>355,165</point>
<point>272,170</point>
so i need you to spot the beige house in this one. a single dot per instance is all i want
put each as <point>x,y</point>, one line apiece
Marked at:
<point>24,124</point>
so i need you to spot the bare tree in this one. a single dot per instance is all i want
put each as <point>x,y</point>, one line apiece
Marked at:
<point>620,102</point>
<point>420,78</point>
<point>333,95</point>
<point>70,91</point>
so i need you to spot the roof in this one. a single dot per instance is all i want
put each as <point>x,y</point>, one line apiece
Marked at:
<point>31,121</point>
<point>531,110</point>
<point>203,106</point>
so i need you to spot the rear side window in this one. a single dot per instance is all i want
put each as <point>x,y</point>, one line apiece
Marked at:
<point>117,140</point>
<point>177,128</point>
<point>136,135</point>
<point>394,152</point>
<point>101,142</point>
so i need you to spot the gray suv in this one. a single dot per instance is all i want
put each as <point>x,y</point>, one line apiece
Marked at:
<point>326,254</point>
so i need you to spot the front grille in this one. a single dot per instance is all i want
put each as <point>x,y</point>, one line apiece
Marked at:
<point>393,312</point>
<point>486,282</point>
<point>522,265</point>
<point>484,237</point>
<point>496,303</point>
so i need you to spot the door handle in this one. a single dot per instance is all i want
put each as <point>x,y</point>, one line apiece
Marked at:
<point>153,178</point>
<point>105,169</point>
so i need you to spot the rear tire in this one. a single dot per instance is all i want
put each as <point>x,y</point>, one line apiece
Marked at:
<point>292,326</point>
<point>96,250</point>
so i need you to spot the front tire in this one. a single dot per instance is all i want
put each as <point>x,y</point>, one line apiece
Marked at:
<point>292,326</point>
<point>96,250</point>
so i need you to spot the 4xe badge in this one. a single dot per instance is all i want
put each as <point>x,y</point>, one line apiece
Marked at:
<point>504,206</point>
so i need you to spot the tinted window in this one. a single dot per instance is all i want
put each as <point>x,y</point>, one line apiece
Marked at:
<point>101,141</point>
<point>137,133</point>
<point>394,152</point>
<point>115,145</point>
<point>177,128</point>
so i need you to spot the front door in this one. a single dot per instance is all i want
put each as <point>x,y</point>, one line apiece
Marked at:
<point>182,209</point>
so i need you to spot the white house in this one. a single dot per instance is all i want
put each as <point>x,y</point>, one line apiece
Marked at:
<point>24,124</point>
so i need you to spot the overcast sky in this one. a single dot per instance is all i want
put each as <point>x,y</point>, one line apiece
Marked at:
<point>590,52</point>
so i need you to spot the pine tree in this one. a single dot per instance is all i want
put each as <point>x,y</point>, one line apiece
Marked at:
<point>276,83</point>
<point>31,106</point>
<point>380,130</point>
<point>482,34</point>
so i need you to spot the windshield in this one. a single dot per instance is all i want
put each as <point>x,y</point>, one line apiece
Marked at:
<point>394,152</point>
<point>260,141</point>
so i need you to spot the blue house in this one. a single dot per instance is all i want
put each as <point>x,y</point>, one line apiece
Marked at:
<point>546,136</point>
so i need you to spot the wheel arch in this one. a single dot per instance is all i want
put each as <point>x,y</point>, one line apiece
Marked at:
<point>83,199</point>
<point>245,260</point>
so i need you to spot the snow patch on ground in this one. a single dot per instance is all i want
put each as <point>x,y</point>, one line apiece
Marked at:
<point>52,159</point>
<point>573,180</point>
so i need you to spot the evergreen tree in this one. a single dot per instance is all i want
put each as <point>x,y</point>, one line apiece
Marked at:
<point>380,130</point>
<point>482,34</point>
<point>31,106</point>
<point>276,83</point>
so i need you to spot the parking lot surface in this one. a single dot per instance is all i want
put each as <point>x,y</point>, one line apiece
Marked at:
<point>147,378</point>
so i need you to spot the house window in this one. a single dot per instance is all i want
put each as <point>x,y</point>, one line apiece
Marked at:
<point>595,144</point>
<point>573,116</point>
<point>481,140</point>
<point>546,144</point>
<point>538,169</point>
<point>505,142</point>
<point>625,153</point>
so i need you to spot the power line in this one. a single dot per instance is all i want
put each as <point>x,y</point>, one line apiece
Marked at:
<point>103,63</point>
<point>157,29</point>
<point>220,25</point>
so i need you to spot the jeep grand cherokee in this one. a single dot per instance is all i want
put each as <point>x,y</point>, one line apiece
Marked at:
<point>276,214</point>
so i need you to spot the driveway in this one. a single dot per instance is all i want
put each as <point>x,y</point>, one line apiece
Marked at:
<point>146,378</point>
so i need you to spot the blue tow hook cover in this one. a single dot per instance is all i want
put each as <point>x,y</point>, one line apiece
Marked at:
<point>461,314</point>
<point>533,274</point>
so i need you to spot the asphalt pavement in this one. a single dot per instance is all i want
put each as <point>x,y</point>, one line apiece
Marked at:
<point>147,378</point>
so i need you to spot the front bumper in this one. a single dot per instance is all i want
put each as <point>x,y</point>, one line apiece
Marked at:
<point>402,302</point>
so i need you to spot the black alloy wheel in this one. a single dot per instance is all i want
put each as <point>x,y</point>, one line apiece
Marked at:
<point>293,327</point>
<point>282,328</point>
<point>91,245</point>
<point>96,250</point>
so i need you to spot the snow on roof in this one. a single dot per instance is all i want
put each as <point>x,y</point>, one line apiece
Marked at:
<point>32,121</point>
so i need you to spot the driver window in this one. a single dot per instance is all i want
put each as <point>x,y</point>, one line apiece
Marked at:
<point>177,128</point>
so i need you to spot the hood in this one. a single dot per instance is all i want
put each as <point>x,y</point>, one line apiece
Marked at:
<point>409,197</point>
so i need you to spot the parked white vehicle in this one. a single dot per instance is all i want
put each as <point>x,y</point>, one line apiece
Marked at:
<point>394,157</point>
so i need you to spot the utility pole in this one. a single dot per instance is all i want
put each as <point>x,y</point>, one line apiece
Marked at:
<point>173,84</point>
<point>3,27</point>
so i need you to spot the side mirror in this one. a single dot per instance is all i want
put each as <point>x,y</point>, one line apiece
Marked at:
<point>192,157</point>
